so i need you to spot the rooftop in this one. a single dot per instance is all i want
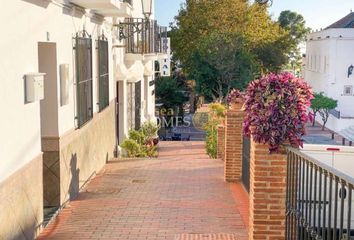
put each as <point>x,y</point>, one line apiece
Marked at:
<point>346,22</point>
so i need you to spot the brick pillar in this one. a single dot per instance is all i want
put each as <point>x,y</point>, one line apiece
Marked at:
<point>267,193</point>
<point>233,145</point>
<point>221,142</point>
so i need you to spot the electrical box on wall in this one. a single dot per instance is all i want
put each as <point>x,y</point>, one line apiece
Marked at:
<point>34,86</point>
<point>64,84</point>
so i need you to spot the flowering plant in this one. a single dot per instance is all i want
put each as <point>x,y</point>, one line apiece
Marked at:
<point>276,110</point>
<point>235,96</point>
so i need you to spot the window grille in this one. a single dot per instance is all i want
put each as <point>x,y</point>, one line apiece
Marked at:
<point>83,64</point>
<point>103,72</point>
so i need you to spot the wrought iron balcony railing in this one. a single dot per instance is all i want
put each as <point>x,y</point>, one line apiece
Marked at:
<point>160,39</point>
<point>319,200</point>
<point>142,36</point>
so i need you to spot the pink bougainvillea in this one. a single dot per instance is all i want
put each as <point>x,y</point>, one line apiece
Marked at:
<point>276,110</point>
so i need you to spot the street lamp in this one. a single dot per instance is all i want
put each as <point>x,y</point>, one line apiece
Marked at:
<point>147,8</point>
<point>263,2</point>
<point>137,26</point>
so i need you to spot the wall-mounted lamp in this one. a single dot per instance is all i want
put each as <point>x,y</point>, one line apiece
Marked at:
<point>136,25</point>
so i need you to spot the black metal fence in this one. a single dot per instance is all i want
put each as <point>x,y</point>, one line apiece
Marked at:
<point>142,36</point>
<point>318,200</point>
<point>103,72</point>
<point>84,91</point>
<point>246,162</point>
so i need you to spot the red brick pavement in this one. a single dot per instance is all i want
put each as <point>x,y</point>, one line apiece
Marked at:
<point>180,195</point>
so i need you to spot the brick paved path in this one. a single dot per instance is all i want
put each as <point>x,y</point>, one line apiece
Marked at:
<point>180,195</point>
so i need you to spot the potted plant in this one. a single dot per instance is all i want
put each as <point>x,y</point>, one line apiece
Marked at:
<point>276,110</point>
<point>235,99</point>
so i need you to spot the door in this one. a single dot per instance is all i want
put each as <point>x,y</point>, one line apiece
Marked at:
<point>137,105</point>
<point>117,113</point>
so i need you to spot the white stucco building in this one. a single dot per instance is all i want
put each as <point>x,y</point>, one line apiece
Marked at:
<point>329,62</point>
<point>72,85</point>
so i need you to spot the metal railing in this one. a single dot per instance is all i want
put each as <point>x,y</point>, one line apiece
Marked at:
<point>318,200</point>
<point>335,113</point>
<point>160,39</point>
<point>143,37</point>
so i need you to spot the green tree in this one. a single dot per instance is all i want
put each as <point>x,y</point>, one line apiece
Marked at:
<point>295,25</point>
<point>170,93</point>
<point>316,106</point>
<point>219,63</point>
<point>226,43</point>
<point>322,105</point>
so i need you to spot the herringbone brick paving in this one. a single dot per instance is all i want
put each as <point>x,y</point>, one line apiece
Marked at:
<point>180,195</point>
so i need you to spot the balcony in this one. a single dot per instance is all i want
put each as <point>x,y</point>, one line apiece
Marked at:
<point>143,37</point>
<point>107,8</point>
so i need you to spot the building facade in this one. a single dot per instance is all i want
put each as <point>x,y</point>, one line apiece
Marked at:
<point>329,69</point>
<point>72,87</point>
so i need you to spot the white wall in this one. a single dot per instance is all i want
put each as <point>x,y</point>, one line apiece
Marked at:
<point>329,53</point>
<point>341,160</point>
<point>135,68</point>
<point>30,22</point>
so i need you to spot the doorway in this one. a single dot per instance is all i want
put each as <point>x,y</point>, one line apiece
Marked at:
<point>47,63</point>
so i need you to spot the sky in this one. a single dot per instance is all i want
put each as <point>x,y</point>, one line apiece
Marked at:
<point>317,13</point>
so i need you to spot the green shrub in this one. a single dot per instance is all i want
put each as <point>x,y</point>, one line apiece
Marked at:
<point>138,136</point>
<point>132,147</point>
<point>140,142</point>
<point>211,137</point>
<point>216,116</point>
<point>149,129</point>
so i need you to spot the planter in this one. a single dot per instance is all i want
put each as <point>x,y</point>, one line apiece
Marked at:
<point>236,105</point>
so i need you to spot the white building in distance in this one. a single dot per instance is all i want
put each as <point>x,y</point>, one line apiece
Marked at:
<point>329,69</point>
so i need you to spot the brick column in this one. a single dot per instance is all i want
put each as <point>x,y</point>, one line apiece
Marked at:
<point>267,193</point>
<point>221,142</point>
<point>233,145</point>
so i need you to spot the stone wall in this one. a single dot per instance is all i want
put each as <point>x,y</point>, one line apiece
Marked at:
<point>21,198</point>
<point>77,157</point>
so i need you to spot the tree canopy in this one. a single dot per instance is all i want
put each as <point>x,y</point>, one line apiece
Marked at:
<point>200,18</point>
<point>295,25</point>
<point>170,93</point>
<point>221,63</point>
<point>226,43</point>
